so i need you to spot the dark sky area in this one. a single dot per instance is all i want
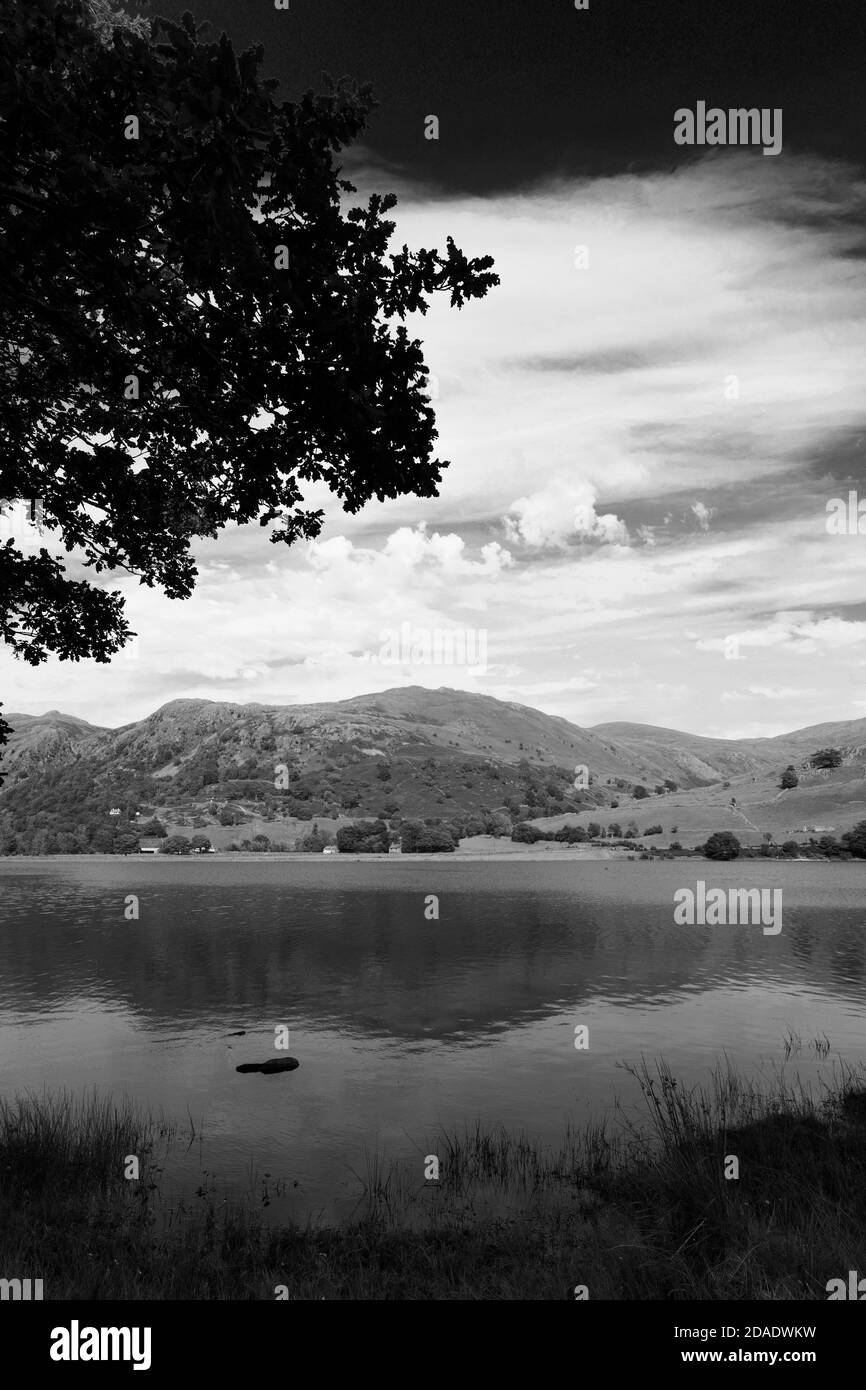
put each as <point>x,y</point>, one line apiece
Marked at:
<point>528,88</point>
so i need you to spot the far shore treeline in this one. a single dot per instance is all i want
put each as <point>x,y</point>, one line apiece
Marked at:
<point>434,836</point>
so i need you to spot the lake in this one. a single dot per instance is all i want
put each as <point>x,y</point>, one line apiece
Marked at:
<point>403,1024</point>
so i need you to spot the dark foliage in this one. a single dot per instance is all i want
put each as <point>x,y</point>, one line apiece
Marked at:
<point>183,290</point>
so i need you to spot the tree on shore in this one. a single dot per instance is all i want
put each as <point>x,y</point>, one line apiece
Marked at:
<point>175,844</point>
<point>316,841</point>
<point>195,322</point>
<point>416,838</point>
<point>855,840</point>
<point>722,845</point>
<point>363,837</point>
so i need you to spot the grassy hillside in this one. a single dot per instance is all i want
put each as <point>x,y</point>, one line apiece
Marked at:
<point>829,802</point>
<point>236,771</point>
<point>405,753</point>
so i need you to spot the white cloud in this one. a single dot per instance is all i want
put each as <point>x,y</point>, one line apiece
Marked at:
<point>780,692</point>
<point>798,633</point>
<point>587,422</point>
<point>562,512</point>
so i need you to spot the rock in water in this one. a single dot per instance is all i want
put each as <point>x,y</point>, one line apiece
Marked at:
<point>275,1064</point>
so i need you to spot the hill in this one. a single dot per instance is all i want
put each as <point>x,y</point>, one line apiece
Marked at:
<point>694,758</point>
<point>743,792</point>
<point>237,772</point>
<point>407,752</point>
<point>46,736</point>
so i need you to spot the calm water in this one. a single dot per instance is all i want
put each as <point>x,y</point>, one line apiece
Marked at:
<point>403,1024</point>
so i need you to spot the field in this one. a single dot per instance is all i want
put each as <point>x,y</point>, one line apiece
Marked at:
<point>828,802</point>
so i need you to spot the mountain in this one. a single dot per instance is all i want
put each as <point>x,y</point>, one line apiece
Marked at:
<point>748,799</point>
<point>688,758</point>
<point>407,752</point>
<point>708,759</point>
<point>44,740</point>
<point>433,742</point>
<point>471,760</point>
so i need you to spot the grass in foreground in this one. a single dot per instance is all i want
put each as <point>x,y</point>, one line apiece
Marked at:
<point>636,1214</point>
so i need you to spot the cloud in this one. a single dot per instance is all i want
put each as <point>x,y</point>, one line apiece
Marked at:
<point>614,511</point>
<point>798,633</point>
<point>560,513</point>
<point>410,550</point>
<point>780,692</point>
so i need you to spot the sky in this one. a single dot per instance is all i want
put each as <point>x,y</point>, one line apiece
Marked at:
<point>646,420</point>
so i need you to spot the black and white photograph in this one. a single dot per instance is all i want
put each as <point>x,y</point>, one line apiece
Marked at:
<point>433,669</point>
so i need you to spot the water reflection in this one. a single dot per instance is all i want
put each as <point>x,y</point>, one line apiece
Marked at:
<point>403,1023</point>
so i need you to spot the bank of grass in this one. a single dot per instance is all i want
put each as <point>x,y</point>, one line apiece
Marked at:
<point>630,1212</point>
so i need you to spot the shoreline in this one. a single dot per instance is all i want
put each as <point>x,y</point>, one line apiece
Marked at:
<point>502,1217</point>
<point>529,855</point>
<point>247,856</point>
